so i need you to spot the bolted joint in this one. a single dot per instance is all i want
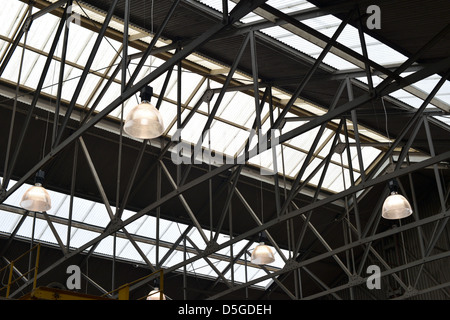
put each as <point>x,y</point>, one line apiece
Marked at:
<point>27,23</point>
<point>211,247</point>
<point>291,265</point>
<point>114,225</point>
<point>207,97</point>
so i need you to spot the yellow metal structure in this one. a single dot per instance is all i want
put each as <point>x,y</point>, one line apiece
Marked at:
<point>123,292</point>
<point>44,293</point>
<point>12,264</point>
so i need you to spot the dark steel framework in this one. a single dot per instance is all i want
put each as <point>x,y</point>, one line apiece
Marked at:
<point>358,236</point>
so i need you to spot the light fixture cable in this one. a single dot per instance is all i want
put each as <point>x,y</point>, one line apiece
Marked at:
<point>13,116</point>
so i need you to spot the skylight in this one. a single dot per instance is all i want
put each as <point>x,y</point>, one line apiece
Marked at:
<point>89,219</point>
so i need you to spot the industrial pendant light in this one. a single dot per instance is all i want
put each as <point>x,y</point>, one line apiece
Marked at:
<point>395,206</point>
<point>156,294</point>
<point>36,198</point>
<point>144,121</point>
<point>262,254</point>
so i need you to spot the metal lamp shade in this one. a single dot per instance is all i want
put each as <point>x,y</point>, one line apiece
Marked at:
<point>144,122</point>
<point>155,295</point>
<point>36,199</point>
<point>396,207</point>
<point>262,254</point>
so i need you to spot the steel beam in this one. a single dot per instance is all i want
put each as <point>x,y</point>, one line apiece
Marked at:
<point>25,27</point>
<point>149,49</point>
<point>217,104</point>
<point>238,12</point>
<point>61,73</point>
<point>85,72</point>
<point>354,244</point>
<point>185,204</point>
<point>8,171</point>
<point>288,216</point>
<point>311,71</point>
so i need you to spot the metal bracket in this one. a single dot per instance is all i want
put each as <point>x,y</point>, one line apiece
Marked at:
<point>291,265</point>
<point>27,23</point>
<point>208,95</point>
<point>211,247</point>
<point>115,224</point>
<point>355,279</point>
<point>410,292</point>
<point>340,147</point>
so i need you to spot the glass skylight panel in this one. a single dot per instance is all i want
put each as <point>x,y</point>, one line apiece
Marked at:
<point>292,158</point>
<point>130,253</point>
<point>408,98</point>
<point>236,144</point>
<point>10,16</point>
<point>170,231</point>
<point>98,216</point>
<point>26,229</point>
<point>174,258</point>
<point>8,221</point>
<point>220,135</point>
<point>146,226</point>
<point>226,100</point>
<point>195,236</point>
<point>48,236</point>
<point>192,132</point>
<point>106,245</point>
<point>336,62</point>
<point>292,40</point>
<point>189,82</point>
<point>162,251</point>
<point>384,55</point>
<point>338,183</point>
<point>70,83</point>
<point>443,119</point>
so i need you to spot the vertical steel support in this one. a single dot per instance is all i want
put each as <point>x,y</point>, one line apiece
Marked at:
<point>72,194</point>
<point>255,79</point>
<point>274,155</point>
<point>310,154</point>
<point>216,105</point>
<point>25,26</point>
<point>352,180</point>
<point>440,225</point>
<point>85,72</point>
<point>356,132</point>
<point>362,41</point>
<point>185,204</point>
<point>311,71</point>
<point>61,72</point>
<point>13,115</point>
<point>9,171</point>
<point>152,44</point>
